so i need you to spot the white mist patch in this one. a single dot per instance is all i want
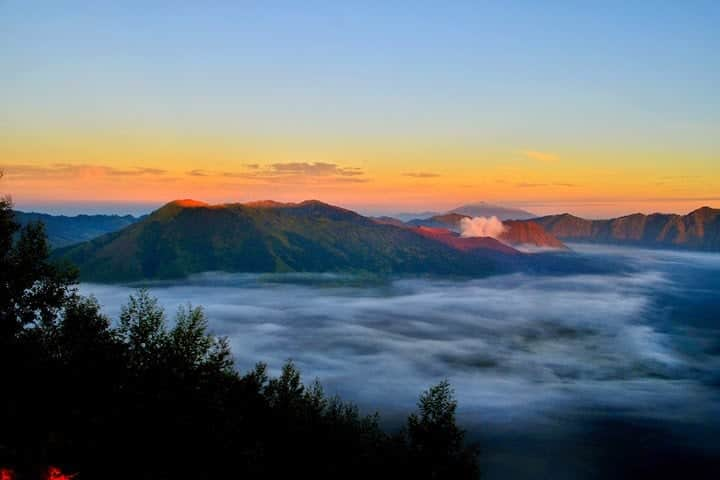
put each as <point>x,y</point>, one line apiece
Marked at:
<point>520,345</point>
<point>531,248</point>
<point>481,227</point>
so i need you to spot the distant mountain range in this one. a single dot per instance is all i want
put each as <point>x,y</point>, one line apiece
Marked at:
<point>698,230</point>
<point>186,237</point>
<point>63,230</point>
<point>483,209</point>
<point>478,209</point>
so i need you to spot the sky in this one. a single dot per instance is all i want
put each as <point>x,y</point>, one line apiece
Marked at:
<point>596,108</point>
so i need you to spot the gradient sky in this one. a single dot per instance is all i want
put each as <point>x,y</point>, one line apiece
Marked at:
<point>598,108</point>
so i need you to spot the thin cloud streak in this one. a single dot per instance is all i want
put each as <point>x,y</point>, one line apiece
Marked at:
<point>541,156</point>
<point>71,170</point>
<point>421,174</point>
<point>290,173</point>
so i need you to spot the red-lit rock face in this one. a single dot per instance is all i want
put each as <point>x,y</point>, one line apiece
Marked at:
<point>6,474</point>
<point>55,473</point>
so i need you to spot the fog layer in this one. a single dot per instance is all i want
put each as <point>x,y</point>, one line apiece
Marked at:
<point>523,352</point>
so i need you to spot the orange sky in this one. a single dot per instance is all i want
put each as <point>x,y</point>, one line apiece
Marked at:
<point>575,107</point>
<point>371,175</point>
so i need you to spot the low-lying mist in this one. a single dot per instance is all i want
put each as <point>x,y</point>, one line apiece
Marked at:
<point>481,227</point>
<point>524,352</point>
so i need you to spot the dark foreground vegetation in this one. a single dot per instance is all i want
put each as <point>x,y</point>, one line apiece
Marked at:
<point>148,399</point>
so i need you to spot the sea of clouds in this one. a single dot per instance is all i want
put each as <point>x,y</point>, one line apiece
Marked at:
<point>518,349</point>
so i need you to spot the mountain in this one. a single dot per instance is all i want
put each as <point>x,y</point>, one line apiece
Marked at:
<point>385,220</point>
<point>529,234</point>
<point>447,220</point>
<point>187,236</point>
<point>483,209</point>
<point>63,230</point>
<point>465,244</point>
<point>405,216</point>
<point>698,230</point>
<point>517,232</point>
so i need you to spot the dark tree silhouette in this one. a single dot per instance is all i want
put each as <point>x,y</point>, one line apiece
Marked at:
<point>436,442</point>
<point>152,399</point>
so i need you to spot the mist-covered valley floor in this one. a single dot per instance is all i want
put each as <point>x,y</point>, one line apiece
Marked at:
<point>563,376</point>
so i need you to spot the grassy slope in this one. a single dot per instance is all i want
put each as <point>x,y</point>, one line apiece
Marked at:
<point>178,240</point>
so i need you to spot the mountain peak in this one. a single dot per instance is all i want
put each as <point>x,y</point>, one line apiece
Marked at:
<point>188,203</point>
<point>485,209</point>
<point>704,210</point>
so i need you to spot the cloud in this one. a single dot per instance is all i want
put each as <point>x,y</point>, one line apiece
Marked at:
<point>291,172</point>
<point>421,174</point>
<point>136,171</point>
<point>69,170</point>
<point>535,185</point>
<point>520,345</point>
<point>481,227</point>
<point>316,169</point>
<point>541,156</point>
<point>349,180</point>
<point>530,185</point>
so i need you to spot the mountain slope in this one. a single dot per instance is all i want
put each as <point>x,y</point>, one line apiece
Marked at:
<point>478,209</point>
<point>465,244</point>
<point>516,232</point>
<point>186,237</point>
<point>483,209</point>
<point>523,232</point>
<point>699,230</point>
<point>63,230</point>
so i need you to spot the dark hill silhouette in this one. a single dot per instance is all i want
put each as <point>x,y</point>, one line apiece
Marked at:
<point>150,399</point>
<point>65,230</point>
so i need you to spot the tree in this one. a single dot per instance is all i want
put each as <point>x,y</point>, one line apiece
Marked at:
<point>436,442</point>
<point>146,401</point>
<point>192,347</point>
<point>143,329</point>
<point>32,289</point>
<point>286,391</point>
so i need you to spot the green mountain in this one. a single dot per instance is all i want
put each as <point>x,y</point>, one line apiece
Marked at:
<point>63,230</point>
<point>698,230</point>
<point>186,237</point>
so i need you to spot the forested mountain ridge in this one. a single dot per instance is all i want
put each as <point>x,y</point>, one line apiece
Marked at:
<point>186,236</point>
<point>63,230</point>
<point>698,230</point>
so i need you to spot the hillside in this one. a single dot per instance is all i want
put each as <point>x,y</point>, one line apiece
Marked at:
<point>65,230</point>
<point>186,237</point>
<point>465,244</point>
<point>698,230</point>
<point>517,233</point>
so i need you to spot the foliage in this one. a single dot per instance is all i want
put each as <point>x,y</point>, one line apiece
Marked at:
<point>175,241</point>
<point>153,399</point>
